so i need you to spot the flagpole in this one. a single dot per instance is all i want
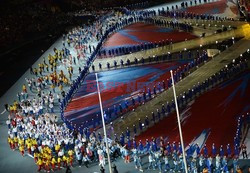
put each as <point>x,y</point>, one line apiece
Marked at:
<point>103,122</point>
<point>179,124</point>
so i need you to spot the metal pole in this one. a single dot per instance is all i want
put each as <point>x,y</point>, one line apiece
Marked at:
<point>179,124</point>
<point>103,122</point>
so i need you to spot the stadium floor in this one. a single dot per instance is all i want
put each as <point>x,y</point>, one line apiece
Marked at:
<point>26,164</point>
<point>211,118</point>
<point>140,33</point>
<point>118,86</point>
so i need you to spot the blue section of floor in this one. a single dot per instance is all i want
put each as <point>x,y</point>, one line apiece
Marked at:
<point>132,37</point>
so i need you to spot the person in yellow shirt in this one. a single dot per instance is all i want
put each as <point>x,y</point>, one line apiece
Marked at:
<point>28,145</point>
<point>16,142</point>
<point>51,67</point>
<point>57,148</point>
<point>11,109</point>
<point>24,88</point>
<point>42,66</point>
<point>59,162</point>
<point>53,163</point>
<point>60,58</point>
<point>21,149</point>
<point>61,87</point>
<point>53,87</point>
<point>20,141</point>
<point>11,142</point>
<point>35,71</point>
<point>34,142</point>
<point>40,164</point>
<point>47,67</point>
<point>54,65</point>
<point>40,71</point>
<point>65,161</point>
<point>71,155</point>
<point>35,156</point>
<point>69,161</point>
<point>47,165</point>
<point>66,81</point>
<point>15,103</point>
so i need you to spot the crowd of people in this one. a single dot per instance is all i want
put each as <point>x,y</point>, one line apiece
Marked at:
<point>34,128</point>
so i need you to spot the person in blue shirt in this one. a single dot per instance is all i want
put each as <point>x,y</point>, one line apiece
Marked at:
<point>122,142</point>
<point>221,151</point>
<point>180,148</point>
<point>213,150</point>
<point>209,164</point>
<point>205,151</point>
<point>189,151</point>
<point>147,146</point>
<point>174,146</point>
<point>168,148</point>
<point>154,146</point>
<point>141,147</point>
<point>134,144</point>
<point>128,132</point>
<point>134,129</point>
<point>129,143</point>
<point>236,150</point>
<point>149,93</point>
<point>197,148</point>
<point>229,153</point>
<point>140,125</point>
<point>139,98</point>
<point>146,121</point>
<point>153,117</point>
<point>225,165</point>
<point>158,114</point>
<point>154,89</point>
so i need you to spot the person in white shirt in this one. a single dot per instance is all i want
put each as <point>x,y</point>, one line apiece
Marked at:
<point>150,162</point>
